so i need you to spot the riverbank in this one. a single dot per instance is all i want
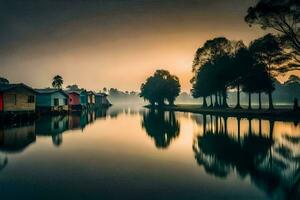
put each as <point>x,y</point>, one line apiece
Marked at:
<point>284,114</point>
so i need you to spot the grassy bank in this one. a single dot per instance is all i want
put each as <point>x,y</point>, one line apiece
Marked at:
<point>282,113</point>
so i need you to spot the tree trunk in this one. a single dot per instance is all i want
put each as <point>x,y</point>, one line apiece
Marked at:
<point>249,101</point>
<point>259,100</point>
<point>225,99</point>
<point>238,105</point>
<point>239,129</point>
<point>204,103</point>
<point>225,125</point>
<point>216,100</point>
<point>271,107</point>
<point>260,133</point>
<point>204,123</point>
<point>250,127</point>
<point>220,99</point>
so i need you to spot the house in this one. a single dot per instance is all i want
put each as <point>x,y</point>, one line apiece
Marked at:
<point>17,98</point>
<point>77,99</point>
<point>91,99</point>
<point>49,100</point>
<point>101,100</point>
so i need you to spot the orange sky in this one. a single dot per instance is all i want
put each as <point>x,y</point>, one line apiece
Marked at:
<point>115,44</point>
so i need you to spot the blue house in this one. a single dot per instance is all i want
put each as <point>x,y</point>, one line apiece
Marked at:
<point>50,100</point>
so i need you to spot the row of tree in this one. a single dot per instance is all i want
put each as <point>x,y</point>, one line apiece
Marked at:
<point>222,64</point>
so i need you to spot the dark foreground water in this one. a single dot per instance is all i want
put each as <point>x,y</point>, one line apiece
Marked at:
<point>125,153</point>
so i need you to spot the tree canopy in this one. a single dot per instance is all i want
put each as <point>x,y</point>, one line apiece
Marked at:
<point>283,17</point>
<point>57,82</point>
<point>160,87</point>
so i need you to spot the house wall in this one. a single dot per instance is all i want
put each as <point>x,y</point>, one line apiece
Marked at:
<point>17,100</point>
<point>101,100</point>
<point>74,99</point>
<point>61,98</point>
<point>43,100</point>
<point>83,99</point>
<point>91,99</point>
<point>47,100</point>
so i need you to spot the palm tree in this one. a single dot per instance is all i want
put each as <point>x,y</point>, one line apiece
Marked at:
<point>57,82</point>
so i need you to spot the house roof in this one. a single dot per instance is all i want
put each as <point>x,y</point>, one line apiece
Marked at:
<point>7,87</point>
<point>79,92</point>
<point>50,91</point>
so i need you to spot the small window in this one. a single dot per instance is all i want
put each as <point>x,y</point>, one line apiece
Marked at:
<point>30,99</point>
<point>70,99</point>
<point>66,101</point>
<point>56,102</point>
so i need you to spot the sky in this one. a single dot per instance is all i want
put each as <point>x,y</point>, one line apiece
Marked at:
<point>112,43</point>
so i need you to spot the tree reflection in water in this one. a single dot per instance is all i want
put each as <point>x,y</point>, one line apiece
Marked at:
<point>162,126</point>
<point>272,165</point>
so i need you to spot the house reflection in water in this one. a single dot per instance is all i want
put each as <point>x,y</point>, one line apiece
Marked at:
<point>251,148</point>
<point>16,139</point>
<point>52,126</point>
<point>78,120</point>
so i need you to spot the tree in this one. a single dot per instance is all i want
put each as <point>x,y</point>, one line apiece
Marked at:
<point>3,81</point>
<point>212,49</point>
<point>73,87</point>
<point>160,87</point>
<point>202,84</point>
<point>215,56</point>
<point>268,51</point>
<point>242,64</point>
<point>282,16</point>
<point>57,82</point>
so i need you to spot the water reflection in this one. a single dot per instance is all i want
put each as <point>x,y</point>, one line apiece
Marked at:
<point>163,127</point>
<point>15,139</point>
<point>52,126</point>
<point>272,164</point>
<point>209,150</point>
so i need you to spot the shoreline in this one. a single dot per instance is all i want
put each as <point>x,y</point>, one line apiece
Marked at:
<point>282,114</point>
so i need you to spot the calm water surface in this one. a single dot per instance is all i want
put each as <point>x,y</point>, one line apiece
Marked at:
<point>134,153</point>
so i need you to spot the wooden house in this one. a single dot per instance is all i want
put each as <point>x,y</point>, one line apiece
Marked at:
<point>17,98</point>
<point>101,100</point>
<point>51,100</point>
<point>78,99</point>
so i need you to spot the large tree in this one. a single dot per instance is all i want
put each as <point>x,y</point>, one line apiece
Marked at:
<point>268,51</point>
<point>242,63</point>
<point>215,56</point>
<point>282,16</point>
<point>160,87</point>
<point>57,82</point>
